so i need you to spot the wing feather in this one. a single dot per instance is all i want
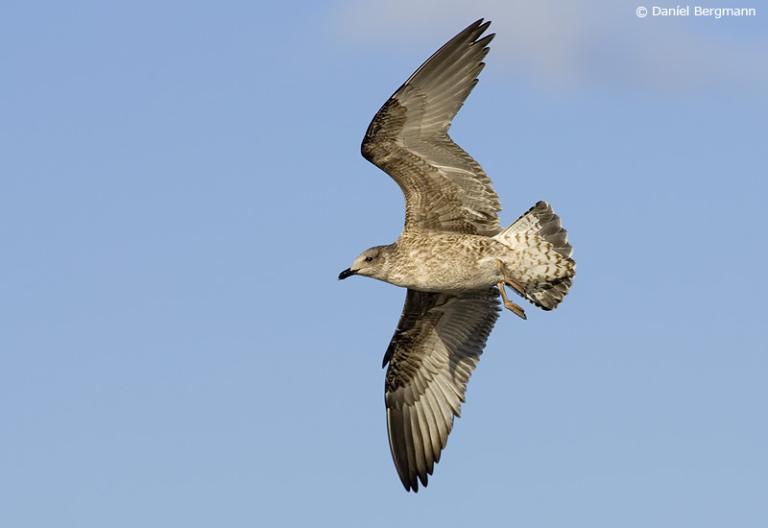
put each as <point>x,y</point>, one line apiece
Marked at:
<point>432,354</point>
<point>445,189</point>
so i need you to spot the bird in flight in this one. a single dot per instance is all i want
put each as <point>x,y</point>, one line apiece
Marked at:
<point>453,256</point>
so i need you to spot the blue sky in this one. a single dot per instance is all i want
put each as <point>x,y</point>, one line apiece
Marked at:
<point>180,184</point>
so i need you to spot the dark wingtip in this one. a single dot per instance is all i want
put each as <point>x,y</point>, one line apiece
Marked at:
<point>479,26</point>
<point>483,42</point>
<point>414,486</point>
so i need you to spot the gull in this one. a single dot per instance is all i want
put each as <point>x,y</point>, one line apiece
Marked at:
<point>452,256</point>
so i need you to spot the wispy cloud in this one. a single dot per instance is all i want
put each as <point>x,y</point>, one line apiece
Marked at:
<point>582,41</point>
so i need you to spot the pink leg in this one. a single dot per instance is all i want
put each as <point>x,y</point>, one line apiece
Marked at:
<point>509,305</point>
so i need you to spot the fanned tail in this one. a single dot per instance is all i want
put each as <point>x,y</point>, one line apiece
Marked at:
<point>541,262</point>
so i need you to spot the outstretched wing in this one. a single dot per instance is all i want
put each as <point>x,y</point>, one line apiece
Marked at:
<point>445,189</point>
<point>435,348</point>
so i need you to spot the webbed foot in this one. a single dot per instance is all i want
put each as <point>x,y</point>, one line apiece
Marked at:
<point>509,305</point>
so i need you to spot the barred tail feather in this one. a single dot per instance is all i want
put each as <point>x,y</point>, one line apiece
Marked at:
<point>541,260</point>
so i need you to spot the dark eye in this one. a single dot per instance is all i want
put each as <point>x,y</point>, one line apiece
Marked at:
<point>368,259</point>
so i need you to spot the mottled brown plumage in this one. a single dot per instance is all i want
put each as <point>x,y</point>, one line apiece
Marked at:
<point>445,189</point>
<point>452,255</point>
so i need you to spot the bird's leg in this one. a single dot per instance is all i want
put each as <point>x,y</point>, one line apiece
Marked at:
<point>509,305</point>
<point>512,283</point>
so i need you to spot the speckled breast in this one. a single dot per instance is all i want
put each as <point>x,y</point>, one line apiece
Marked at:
<point>447,262</point>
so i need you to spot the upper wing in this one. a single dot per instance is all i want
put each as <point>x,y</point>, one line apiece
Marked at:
<point>445,189</point>
<point>435,348</point>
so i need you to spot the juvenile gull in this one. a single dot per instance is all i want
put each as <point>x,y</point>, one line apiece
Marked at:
<point>452,256</point>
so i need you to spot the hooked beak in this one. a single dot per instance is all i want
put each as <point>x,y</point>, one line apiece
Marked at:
<point>346,273</point>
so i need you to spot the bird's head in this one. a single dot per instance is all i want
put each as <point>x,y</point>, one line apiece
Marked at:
<point>371,263</point>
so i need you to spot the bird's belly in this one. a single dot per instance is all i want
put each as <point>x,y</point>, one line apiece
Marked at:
<point>445,275</point>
